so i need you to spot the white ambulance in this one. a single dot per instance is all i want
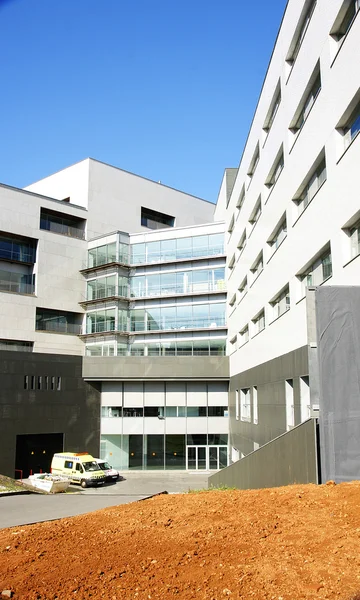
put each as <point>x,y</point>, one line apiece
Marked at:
<point>78,467</point>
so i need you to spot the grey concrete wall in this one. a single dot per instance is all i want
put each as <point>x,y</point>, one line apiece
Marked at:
<point>74,410</point>
<point>270,381</point>
<point>338,332</point>
<point>163,368</point>
<point>290,458</point>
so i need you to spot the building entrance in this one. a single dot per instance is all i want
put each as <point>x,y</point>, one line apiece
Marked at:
<point>206,458</point>
<point>34,452</point>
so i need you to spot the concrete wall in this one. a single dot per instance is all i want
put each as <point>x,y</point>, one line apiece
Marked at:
<point>290,458</point>
<point>74,410</point>
<point>338,328</point>
<point>162,368</point>
<point>114,197</point>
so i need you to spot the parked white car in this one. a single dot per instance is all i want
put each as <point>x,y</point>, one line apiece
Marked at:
<point>110,473</point>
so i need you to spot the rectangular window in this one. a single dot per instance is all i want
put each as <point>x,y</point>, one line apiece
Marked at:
<point>276,169</point>
<point>354,234</point>
<point>255,215</point>
<point>57,321</point>
<point>231,225</point>
<point>243,288</point>
<point>344,20</point>
<point>307,101</point>
<point>52,383</point>
<point>255,404</point>
<point>245,406</point>
<point>275,103</point>
<point>352,127</point>
<point>310,187</point>
<point>32,380</point>
<point>16,345</point>
<point>257,267</point>
<point>26,382</point>
<point>290,406</point>
<point>62,223</point>
<point>237,405</point>
<point>300,31</point>
<point>279,234</point>
<point>217,411</point>
<point>281,303</point>
<point>46,382</point>
<point>244,335</point>
<point>317,272</point>
<point>58,384</point>
<point>305,403</point>
<point>39,382</point>
<point>241,199</point>
<point>242,243</point>
<point>259,322</point>
<point>152,219</point>
<point>254,161</point>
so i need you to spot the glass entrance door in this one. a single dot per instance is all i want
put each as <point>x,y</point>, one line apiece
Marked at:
<point>205,458</point>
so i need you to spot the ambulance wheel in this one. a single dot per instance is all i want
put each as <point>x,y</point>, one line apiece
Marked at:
<point>83,483</point>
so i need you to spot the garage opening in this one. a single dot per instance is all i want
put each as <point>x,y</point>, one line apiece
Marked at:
<point>35,451</point>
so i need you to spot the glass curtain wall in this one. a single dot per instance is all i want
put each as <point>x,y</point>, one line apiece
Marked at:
<point>108,253</point>
<point>179,249</point>
<point>179,282</point>
<point>178,317</point>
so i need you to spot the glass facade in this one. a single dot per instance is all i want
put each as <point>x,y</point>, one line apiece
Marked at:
<point>178,282</point>
<point>57,321</point>
<point>192,316</point>
<point>165,452</point>
<point>17,250</point>
<point>108,286</point>
<point>108,253</point>
<point>178,249</point>
<point>190,347</point>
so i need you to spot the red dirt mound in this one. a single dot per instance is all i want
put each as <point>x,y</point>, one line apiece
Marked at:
<point>291,543</point>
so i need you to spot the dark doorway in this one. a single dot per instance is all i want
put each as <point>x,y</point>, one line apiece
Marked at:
<point>34,452</point>
<point>135,451</point>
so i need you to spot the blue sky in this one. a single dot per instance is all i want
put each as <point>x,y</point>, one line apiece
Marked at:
<point>161,88</point>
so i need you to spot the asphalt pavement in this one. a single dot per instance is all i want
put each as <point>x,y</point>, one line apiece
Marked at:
<point>137,485</point>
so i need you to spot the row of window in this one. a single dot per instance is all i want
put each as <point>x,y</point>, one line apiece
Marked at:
<point>16,345</point>
<point>247,405</point>
<point>62,223</point>
<point>40,382</point>
<point>161,412</point>
<point>172,348</point>
<point>315,273</point>
<point>159,251</point>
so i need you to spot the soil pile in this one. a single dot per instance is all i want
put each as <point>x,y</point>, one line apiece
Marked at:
<point>290,543</point>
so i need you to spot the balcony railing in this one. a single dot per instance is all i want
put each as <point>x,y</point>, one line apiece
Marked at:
<point>54,327</point>
<point>199,323</point>
<point>177,255</point>
<point>172,290</point>
<point>62,229</point>
<point>16,287</point>
<point>121,291</point>
<point>102,260</point>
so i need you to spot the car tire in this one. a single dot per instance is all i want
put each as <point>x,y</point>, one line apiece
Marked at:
<point>83,483</point>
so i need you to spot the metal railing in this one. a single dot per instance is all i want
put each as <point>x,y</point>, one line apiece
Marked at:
<point>110,290</point>
<point>16,287</point>
<point>62,229</point>
<point>170,290</point>
<point>179,324</point>
<point>53,327</point>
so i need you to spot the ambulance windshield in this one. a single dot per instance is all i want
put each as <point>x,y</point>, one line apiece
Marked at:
<point>90,466</point>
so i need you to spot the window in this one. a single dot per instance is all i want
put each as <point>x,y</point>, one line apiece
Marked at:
<point>259,322</point>
<point>310,187</point>
<point>307,101</point>
<point>290,406</point>
<point>242,243</point>
<point>105,320</point>
<point>232,300</point>
<point>68,464</point>
<point>281,303</point>
<point>305,403</point>
<point>279,234</point>
<point>62,223</point>
<point>245,406</point>
<point>32,382</point>
<point>243,288</point>
<point>233,343</point>
<point>255,215</point>
<point>257,267</point>
<point>153,219</point>
<point>241,199</point>
<point>231,262</point>
<point>231,225</point>
<point>275,169</point>
<point>275,103</point>
<point>39,382</point>
<point>106,254</point>
<point>52,380</point>
<point>352,127</point>
<point>344,20</point>
<point>26,382</point>
<point>57,321</point>
<point>16,345</point>
<point>317,272</point>
<point>237,405</point>
<point>244,335</point>
<point>255,404</point>
<point>300,31</point>
<point>17,249</point>
<point>354,234</point>
<point>58,384</point>
<point>254,161</point>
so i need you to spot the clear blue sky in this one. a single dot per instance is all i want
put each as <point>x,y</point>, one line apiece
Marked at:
<point>163,88</point>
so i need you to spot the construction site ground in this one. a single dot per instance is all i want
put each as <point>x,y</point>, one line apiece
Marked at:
<point>290,543</point>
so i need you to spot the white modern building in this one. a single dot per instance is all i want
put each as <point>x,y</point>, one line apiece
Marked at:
<point>292,219</point>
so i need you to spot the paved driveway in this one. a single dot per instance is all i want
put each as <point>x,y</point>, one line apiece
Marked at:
<point>23,510</point>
